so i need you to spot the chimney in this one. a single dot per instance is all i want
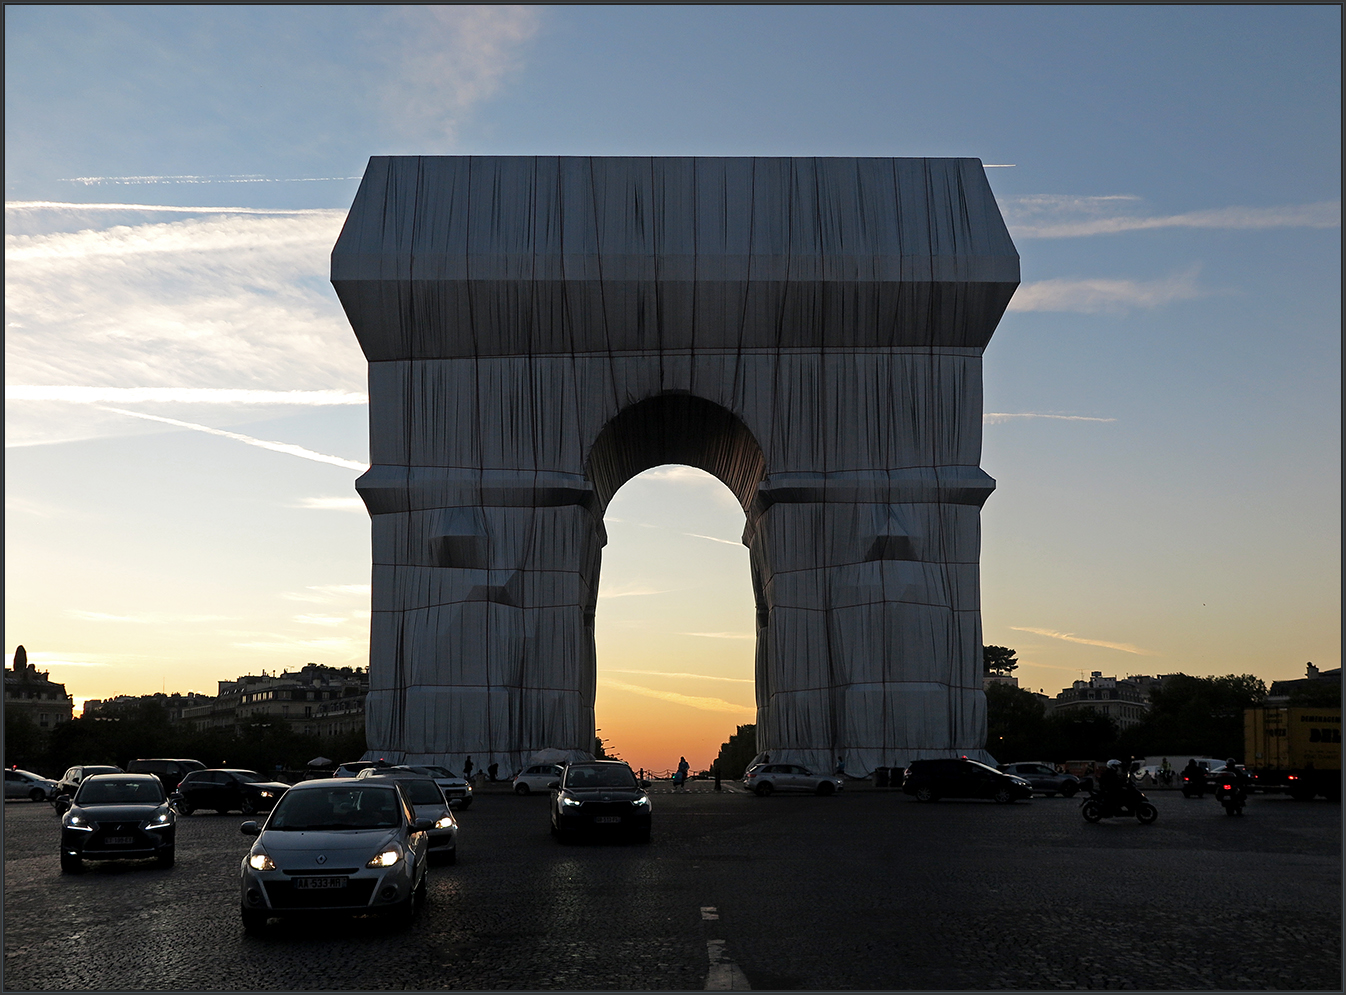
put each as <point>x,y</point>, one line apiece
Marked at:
<point>1312,671</point>
<point>20,660</point>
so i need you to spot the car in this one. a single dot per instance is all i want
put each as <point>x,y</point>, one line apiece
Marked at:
<point>170,772</point>
<point>226,789</point>
<point>26,784</point>
<point>537,777</point>
<point>455,788</point>
<point>930,780</point>
<point>764,779</point>
<point>1044,777</point>
<point>117,817</point>
<point>354,767</point>
<point>70,780</point>
<point>336,845</point>
<point>600,796</point>
<point>428,801</point>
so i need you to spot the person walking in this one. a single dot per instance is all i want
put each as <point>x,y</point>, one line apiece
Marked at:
<point>680,777</point>
<point>467,770</point>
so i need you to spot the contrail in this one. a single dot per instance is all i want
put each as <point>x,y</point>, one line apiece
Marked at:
<point>275,447</point>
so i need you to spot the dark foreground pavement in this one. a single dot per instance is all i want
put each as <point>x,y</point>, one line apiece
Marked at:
<point>868,890</point>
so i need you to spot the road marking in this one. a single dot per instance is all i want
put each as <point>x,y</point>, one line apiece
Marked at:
<point>724,974</point>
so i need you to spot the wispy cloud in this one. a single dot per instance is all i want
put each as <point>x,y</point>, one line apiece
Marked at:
<point>1067,216</point>
<point>630,591</point>
<point>144,618</point>
<point>1000,417</point>
<point>281,644</point>
<point>74,207</point>
<point>663,673</point>
<point>691,701</point>
<point>139,181</point>
<point>1098,295</point>
<point>331,504</point>
<point>275,447</point>
<point>452,58</point>
<point>1070,637</point>
<point>727,542</point>
<point>720,635</point>
<point>328,593</point>
<point>183,395</point>
<point>321,619</point>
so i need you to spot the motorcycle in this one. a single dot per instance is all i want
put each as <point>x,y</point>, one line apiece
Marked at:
<point>1194,786</point>
<point>1231,795</point>
<point>1129,801</point>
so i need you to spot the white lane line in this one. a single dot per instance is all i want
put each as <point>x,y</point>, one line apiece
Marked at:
<point>724,974</point>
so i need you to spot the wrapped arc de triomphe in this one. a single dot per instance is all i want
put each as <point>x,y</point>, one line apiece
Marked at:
<point>541,329</point>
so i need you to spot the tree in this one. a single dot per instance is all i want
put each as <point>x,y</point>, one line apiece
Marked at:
<point>1015,723</point>
<point>998,660</point>
<point>1196,717</point>
<point>23,742</point>
<point>738,752</point>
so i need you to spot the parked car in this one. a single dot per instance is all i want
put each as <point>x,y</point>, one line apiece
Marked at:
<point>428,801</point>
<point>538,777</point>
<point>71,779</point>
<point>117,817</point>
<point>226,790</point>
<point>763,779</point>
<point>455,787</point>
<point>600,796</point>
<point>170,772</point>
<point>335,845</point>
<point>930,780</point>
<point>1044,777</point>
<point>26,784</point>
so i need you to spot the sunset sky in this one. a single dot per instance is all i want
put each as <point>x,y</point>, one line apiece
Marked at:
<point>185,407</point>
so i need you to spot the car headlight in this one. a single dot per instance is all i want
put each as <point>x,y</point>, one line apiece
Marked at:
<point>444,822</point>
<point>569,802</point>
<point>160,821</point>
<point>387,858</point>
<point>641,802</point>
<point>261,861</point>
<point>79,822</point>
<point>268,794</point>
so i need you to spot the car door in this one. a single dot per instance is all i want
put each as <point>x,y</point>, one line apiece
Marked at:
<point>14,786</point>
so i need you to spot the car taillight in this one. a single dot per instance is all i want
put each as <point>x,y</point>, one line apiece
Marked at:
<point>1293,777</point>
<point>1229,787</point>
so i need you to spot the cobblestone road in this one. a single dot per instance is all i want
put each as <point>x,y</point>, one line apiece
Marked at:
<point>868,890</point>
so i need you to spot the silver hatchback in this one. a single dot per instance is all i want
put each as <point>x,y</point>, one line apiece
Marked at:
<point>763,779</point>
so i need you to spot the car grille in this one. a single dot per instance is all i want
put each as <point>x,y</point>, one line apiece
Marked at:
<point>283,895</point>
<point>322,872</point>
<point>119,830</point>
<point>591,809</point>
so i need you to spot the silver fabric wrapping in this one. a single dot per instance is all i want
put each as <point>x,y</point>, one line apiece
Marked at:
<point>810,331</point>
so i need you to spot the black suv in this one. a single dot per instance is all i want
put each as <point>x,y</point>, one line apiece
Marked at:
<point>224,790</point>
<point>597,797</point>
<point>169,772</point>
<point>930,780</point>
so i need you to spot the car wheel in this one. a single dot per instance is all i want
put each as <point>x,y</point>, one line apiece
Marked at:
<point>1092,811</point>
<point>1146,813</point>
<point>764,790</point>
<point>184,807</point>
<point>165,858</point>
<point>254,921</point>
<point>826,788</point>
<point>248,807</point>
<point>925,794</point>
<point>1069,790</point>
<point>521,789</point>
<point>37,795</point>
<point>1003,796</point>
<point>71,864</point>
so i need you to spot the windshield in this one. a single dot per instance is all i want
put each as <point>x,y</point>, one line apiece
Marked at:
<point>978,763</point>
<point>600,777</point>
<point>115,791</point>
<point>363,806</point>
<point>422,792</point>
<point>247,776</point>
<point>442,772</point>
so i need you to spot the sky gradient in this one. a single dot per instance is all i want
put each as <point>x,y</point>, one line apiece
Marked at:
<point>185,402</point>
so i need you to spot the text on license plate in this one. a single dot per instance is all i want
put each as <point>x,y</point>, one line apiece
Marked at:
<point>119,840</point>
<point>306,884</point>
<point>607,818</point>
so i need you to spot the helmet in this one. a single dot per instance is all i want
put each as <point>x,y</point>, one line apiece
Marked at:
<point>1230,762</point>
<point>1114,764</point>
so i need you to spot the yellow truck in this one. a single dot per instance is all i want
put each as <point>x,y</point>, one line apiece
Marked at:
<point>1294,749</point>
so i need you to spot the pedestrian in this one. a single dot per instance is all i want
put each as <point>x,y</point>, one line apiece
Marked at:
<point>841,766</point>
<point>467,770</point>
<point>492,770</point>
<point>680,778</point>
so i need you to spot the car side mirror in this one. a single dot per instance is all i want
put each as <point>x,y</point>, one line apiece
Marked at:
<point>250,828</point>
<point>175,797</point>
<point>62,803</point>
<point>423,825</point>
<point>553,785</point>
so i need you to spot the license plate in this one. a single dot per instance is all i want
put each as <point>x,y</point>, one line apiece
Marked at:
<point>315,884</point>
<point>607,819</point>
<point>119,840</point>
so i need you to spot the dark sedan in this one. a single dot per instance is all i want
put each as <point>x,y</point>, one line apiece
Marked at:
<point>117,817</point>
<point>930,780</point>
<point>1045,778</point>
<point>226,790</point>
<point>600,797</point>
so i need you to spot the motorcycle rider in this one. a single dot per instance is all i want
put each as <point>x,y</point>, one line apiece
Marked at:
<point>1195,776</point>
<point>1110,784</point>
